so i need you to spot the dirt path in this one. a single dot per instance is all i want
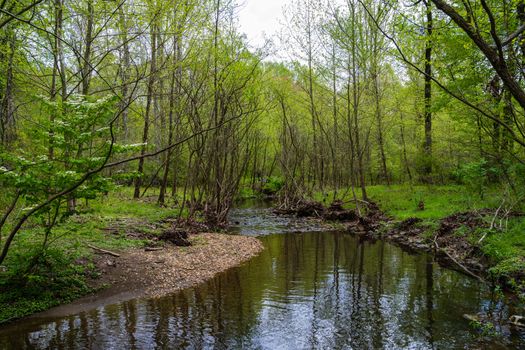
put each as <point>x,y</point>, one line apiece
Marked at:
<point>140,274</point>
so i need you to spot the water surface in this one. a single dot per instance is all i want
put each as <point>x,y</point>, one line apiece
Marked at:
<point>314,290</point>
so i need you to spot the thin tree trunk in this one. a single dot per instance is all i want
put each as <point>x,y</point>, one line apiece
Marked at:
<point>149,100</point>
<point>124,72</point>
<point>7,118</point>
<point>403,141</point>
<point>56,68</point>
<point>86,69</point>
<point>379,119</point>
<point>174,97</point>
<point>355,95</point>
<point>428,92</point>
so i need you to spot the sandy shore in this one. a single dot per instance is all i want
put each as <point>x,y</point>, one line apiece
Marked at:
<point>140,274</point>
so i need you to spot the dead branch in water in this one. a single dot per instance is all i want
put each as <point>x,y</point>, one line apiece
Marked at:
<point>457,262</point>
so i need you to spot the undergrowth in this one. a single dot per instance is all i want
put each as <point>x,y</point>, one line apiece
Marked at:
<point>34,279</point>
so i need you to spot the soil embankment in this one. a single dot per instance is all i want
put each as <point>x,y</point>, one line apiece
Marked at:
<point>450,242</point>
<point>138,273</point>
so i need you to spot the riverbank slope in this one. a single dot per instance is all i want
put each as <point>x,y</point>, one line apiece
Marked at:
<point>480,234</point>
<point>114,249</point>
<point>138,273</point>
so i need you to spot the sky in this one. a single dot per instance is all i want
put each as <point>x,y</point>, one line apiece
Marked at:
<point>259,17</point>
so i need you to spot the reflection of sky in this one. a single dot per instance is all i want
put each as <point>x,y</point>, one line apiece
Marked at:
<point>312,290</point>
<point>332,317</point>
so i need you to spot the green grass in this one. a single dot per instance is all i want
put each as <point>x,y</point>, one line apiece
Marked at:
<point>269,187</point>
<point>59,277</point>
<point>439,201</point>
<point>119,204</point>
<point>401,201</point>
<point>505,248</point>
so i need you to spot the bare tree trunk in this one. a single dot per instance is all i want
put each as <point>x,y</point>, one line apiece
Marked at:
<point>355,94</point>
<point>149,100</point>
<point>315,150</point>
<point>428,92</point>
<point>173,110</point>
<point>335,168</point>
<point>85,71</point>
<point>124,72</point>
<point>403,141</point>
<point>353,151</point>
<point>56,69</point>
<point>88,41</point>
<point>379,120</point>
<point>217,181</point>
<point>7,110</point>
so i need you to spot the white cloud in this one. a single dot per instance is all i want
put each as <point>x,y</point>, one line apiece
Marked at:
<point>261,17</point>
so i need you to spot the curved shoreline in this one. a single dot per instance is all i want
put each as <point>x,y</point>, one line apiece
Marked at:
<point>138,274</point>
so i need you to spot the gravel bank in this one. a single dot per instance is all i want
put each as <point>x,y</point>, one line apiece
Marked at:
<point>141,274</point>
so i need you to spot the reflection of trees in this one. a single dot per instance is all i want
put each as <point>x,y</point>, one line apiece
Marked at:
<point>379,332</point>
<point>430,299</point>
<point>322,290</point>
<point>130,317</point>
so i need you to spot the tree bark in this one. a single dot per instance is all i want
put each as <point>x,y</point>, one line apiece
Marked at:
<point>427,170</point>
<point>7,110</point>
<point>149,99</point>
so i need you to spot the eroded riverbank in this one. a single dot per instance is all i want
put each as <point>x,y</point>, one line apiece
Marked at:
<point>455,240</point>
<point>150,274</point>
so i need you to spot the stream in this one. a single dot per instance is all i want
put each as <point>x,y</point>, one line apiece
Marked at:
<point>311,288</point>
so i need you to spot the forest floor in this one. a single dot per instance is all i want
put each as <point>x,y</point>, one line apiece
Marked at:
<point>80,268</point>
<point>459,226</point>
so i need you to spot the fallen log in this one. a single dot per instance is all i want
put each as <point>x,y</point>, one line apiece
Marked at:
<point>153,249</point>
<point>103,251</point>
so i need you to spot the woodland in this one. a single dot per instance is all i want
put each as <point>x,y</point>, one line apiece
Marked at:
<point>416,105</point>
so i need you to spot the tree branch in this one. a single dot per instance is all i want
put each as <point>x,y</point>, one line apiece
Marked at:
<point>497,62</point>
<point>438,83</point>
<point>18,14</point>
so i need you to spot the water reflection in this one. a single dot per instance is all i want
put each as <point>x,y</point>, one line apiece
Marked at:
<point>256,218</point>
<point>305,291</point>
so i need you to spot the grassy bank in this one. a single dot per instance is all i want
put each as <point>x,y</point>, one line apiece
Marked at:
<point>504,245</point>
<point>33,279</point>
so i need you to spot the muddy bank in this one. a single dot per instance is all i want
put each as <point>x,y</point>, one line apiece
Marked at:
<point>451,242</point>
<point>138,273</point>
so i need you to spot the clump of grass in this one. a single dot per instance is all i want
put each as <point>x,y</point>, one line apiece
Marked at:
<point>507,248</point>
<point>36,279</point>
<point>39,279</point>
